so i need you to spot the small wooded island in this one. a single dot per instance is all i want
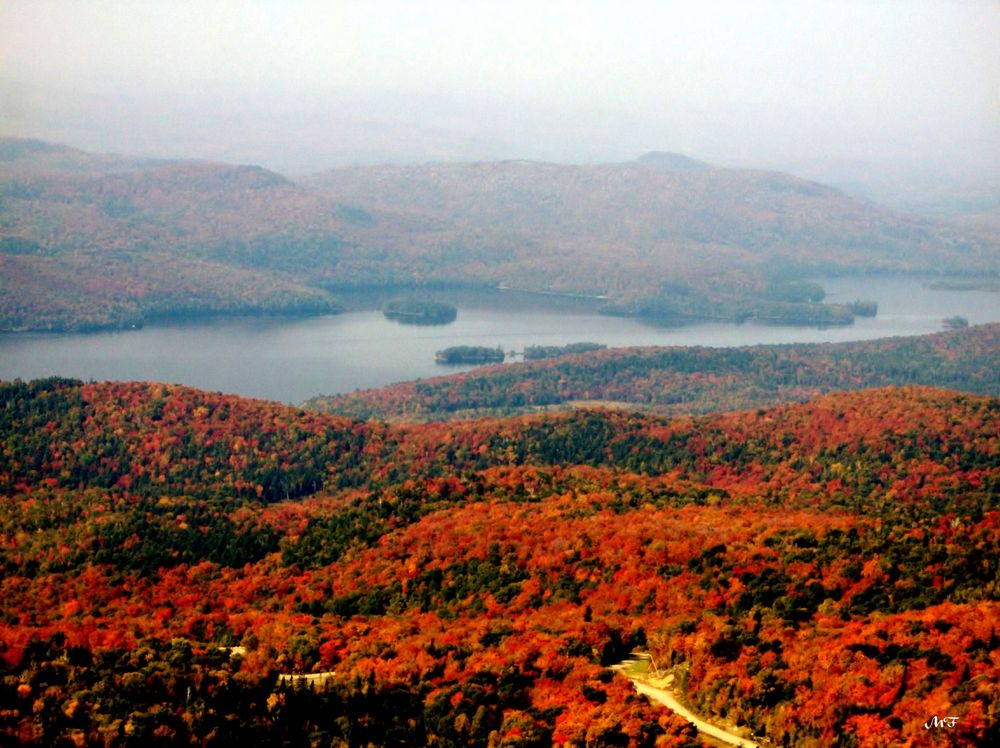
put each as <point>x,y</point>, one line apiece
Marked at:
<point>955,323</point>
<point>470,354</point>
<point>420,311</point>
<point>864,308</point>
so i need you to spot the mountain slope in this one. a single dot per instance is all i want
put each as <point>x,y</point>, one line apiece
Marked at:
<point>104,241</point>
<point>806,572</point>
<point>606,225</point>
<point>688,380</point>
<point>659,236</point>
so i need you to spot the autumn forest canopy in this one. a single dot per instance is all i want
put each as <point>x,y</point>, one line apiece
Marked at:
<point>813,570</point>
<point>690,380</point>
<point>803,537</point>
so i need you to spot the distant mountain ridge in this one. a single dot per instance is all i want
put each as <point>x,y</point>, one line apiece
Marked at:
<point>12,149</point>
<point>626,231</point>
<point>672,161</point>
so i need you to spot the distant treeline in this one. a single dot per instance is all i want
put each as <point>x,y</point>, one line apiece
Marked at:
<point>787,302</point>
<point>538,352</point>
<point>692,380</point>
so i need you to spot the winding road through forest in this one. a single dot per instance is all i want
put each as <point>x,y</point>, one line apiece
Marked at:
<point>663,696</point>
<point>625,667</point>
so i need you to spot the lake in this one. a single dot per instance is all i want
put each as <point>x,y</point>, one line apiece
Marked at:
<point>290,360</point>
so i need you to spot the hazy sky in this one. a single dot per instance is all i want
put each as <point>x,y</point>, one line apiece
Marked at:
<point>298,85</point>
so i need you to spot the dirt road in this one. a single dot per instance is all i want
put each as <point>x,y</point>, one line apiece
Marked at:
<point>664,697</point>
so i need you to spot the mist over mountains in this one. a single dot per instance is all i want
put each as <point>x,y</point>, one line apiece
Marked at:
<point>784,531</point>
<point>124,239</point>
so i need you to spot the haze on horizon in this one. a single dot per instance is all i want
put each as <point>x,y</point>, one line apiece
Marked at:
<point>834,90</point>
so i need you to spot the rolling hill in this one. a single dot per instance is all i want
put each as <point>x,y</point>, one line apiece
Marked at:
<point>172,559</point>
<point>121,240</point>
<point>622,228</point>
<point>688,380</point>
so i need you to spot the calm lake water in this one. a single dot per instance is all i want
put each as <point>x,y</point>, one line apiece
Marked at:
<point>290,360</point>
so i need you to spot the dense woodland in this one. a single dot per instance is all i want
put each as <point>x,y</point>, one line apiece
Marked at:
<point>689,379</point>
<point>91,290</point>
<point>469,354</point>
<point>90,240</point>
<point>416,311</point>
<point>816,574</point>
<point>539,352</point>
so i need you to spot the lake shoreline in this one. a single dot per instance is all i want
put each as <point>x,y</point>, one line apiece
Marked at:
<point>348,299</point>
<point>290,358</point>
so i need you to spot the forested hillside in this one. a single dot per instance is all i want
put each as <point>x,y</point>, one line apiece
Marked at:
<point>89,240</point>
<point>820,573</point>
<point>689,379</point>
<point>617,222</point>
